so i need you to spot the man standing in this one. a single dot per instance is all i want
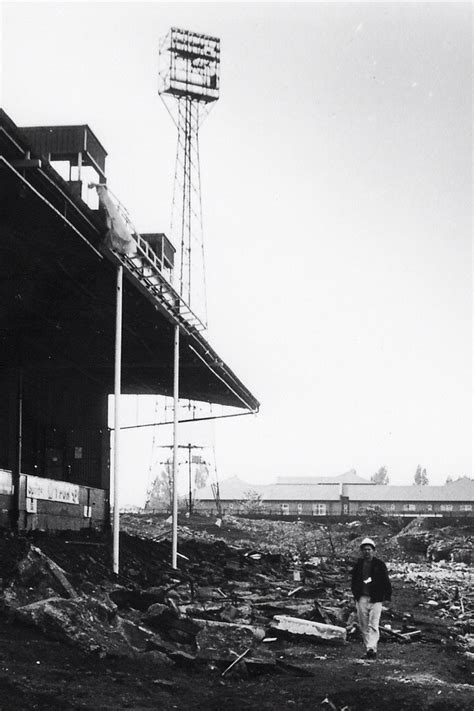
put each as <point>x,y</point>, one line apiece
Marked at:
<point>370,587</point>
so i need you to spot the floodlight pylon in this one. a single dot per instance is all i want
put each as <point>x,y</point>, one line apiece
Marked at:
<point>189,78</point>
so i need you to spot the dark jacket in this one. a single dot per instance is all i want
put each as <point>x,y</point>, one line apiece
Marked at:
<point>380,588</point>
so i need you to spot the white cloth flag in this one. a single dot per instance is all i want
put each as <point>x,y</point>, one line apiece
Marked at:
<point>119,237</point>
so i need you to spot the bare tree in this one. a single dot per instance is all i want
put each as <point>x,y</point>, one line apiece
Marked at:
<point>421,477</point>
<point>160,493</point>
<point>380,476</point>
<point>201,475</point>
<point>252,502</point>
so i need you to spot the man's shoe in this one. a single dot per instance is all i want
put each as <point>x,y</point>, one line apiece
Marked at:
<point>371,654</point>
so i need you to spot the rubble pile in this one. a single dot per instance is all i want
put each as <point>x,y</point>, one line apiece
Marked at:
<point>422,539</point>
<point>446,589</point>
<point>260,603</point>
<point>296,540</point>
<point>224,602</point>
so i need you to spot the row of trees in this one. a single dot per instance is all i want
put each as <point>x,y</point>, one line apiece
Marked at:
<point>420,477</point>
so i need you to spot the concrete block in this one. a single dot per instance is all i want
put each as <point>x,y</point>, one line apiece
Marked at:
<point>316,631</point>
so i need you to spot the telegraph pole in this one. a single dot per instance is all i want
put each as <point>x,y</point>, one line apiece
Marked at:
<point>189,462</point>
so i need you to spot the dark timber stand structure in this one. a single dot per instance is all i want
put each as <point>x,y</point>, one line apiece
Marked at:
<point>58,328</point>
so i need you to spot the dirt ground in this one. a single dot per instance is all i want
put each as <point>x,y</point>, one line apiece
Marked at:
<point>40,673</point>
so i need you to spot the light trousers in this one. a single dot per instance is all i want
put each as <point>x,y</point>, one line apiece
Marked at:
<point>369,618</point>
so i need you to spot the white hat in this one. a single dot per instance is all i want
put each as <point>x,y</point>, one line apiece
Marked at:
<point>367,542</point>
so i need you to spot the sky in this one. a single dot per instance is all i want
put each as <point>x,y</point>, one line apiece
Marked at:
<point>337,197</point>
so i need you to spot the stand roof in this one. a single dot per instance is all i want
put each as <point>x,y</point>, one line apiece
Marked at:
<point>58,286</point>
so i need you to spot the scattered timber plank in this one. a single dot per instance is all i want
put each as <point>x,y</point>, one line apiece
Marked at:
<point>236,661</point>
<point>395,635</point>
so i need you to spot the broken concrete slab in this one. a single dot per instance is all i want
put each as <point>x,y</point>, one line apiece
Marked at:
<point>220,641</point>
<point>315,631</point>
<point>171,623</point>
<point>57,572</point>
<point>257,632</point>
<point>225,612</point>
<point>86,623</point>
<point>200,611</point>
<point>38,577</point>
<point>141,599</point>
<point>204,594</point>
<point>16,595</point>
<point>137,636</point>
<point>159,615</point>
<point>128,597</point>
<point>286,606</point>
<point>334,615</point>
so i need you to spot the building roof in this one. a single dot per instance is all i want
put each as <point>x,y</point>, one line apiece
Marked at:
<point>233,489</point>
<point>58,286</point>
<point>462,490</point>
<point>350,477</point>
<point>302,492</point>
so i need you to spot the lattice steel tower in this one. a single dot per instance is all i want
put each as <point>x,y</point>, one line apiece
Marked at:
<point>189,84</point>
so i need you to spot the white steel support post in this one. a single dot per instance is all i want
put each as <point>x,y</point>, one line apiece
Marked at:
<point>79,166</point>
<point>118,371</point>
<point>174,533</point>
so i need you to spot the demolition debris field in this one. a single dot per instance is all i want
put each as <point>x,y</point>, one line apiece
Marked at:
<point>258,615</point>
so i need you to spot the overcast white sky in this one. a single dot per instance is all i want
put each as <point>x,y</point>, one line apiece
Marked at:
<point>337,200</point>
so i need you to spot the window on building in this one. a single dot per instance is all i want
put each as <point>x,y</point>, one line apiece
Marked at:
<point>465,507</point>
<point>429,507</point>
<point>319,509</point>
<point>392,507</point>
<point>446,507</point>
<point>299,508</point>
<point>409,507</point>
<point>285,509</point>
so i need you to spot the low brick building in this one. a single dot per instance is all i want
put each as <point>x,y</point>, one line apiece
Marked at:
<point>454,498</point>
<point>341,495</point>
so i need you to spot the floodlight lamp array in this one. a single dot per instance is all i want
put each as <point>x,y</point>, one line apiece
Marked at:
<point>190,65</point>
